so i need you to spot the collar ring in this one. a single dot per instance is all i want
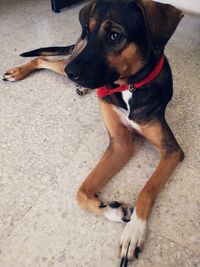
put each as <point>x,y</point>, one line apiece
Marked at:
<point>131,88</point>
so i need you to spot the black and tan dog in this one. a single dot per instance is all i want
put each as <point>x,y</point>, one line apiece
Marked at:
<point>121,50</point>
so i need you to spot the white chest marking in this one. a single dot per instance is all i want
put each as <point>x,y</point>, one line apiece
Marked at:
<point>126,95</point>
<point>124,114</point>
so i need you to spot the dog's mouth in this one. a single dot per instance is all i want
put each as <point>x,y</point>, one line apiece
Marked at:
<point>89,78</point>
<point>88,83</point>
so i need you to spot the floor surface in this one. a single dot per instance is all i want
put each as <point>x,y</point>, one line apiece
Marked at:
<point>50,138</point>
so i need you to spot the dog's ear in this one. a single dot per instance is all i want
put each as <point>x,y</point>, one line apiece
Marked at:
<point>161,21</point>
<point>85,13</point>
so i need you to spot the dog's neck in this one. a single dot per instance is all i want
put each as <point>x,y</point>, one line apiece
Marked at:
<point>143,72</point>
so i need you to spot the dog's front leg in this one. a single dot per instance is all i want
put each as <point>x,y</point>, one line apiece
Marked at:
<point>117,154</point>
<point>38,63</point>
<point>58,66</point>
<point>159,134</point>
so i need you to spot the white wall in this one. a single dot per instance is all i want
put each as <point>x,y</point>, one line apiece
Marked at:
<point>190,5</point>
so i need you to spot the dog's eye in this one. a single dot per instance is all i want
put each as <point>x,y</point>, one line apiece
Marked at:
<point>116,37</point>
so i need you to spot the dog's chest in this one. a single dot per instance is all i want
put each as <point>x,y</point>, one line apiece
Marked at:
<point>124,113</point>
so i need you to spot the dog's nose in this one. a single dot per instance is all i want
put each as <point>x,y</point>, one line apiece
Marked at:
<point>73,73</point>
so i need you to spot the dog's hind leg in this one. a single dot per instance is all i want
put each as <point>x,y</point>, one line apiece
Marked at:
<point>38,63</point>
<point>117,154</point>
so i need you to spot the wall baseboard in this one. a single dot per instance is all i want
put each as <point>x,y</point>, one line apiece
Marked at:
<point>191,5</point>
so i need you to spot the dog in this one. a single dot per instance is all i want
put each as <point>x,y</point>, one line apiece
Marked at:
<point>121,52</point>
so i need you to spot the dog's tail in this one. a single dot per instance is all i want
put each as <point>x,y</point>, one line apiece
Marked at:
<point>49,51</point>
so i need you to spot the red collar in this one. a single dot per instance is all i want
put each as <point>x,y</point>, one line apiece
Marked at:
<point>104,91</point>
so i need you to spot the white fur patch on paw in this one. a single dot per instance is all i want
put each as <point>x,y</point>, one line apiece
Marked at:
<point>132,239</point>
<point>118,212</point>
<point>113,214</point>
<point>8,77</point>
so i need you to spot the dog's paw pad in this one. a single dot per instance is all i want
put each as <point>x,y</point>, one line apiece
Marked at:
<point>120,212</point>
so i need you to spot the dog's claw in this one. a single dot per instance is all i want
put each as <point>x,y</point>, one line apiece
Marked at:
<point>115,204</point>
<point>125,262</point>
<point>122,262</point>
<point>102,205</point>
<point>137,252</point>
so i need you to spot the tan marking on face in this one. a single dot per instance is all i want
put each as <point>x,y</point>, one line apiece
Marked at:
<point>128,62</point>
<point>80,45</point>
<point>92,24</point>
<point>104,25</point>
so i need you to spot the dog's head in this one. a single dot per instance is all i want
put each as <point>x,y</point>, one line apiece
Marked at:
<point>117,39</point>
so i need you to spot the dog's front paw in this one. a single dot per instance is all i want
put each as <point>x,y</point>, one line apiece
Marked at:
<point>118,212</point>
<point>132,239</point>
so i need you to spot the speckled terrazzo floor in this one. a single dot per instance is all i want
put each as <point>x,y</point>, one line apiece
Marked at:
<point>50,138</point>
